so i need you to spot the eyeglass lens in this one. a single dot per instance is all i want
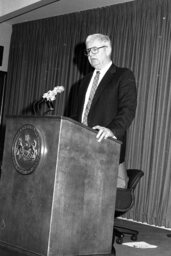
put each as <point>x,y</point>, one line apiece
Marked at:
<point>93,50</point>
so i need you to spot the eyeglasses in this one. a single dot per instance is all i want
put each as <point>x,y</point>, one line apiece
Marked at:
<point>93,50</point>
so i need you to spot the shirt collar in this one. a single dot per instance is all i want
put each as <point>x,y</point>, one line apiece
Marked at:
<point>104,70</point>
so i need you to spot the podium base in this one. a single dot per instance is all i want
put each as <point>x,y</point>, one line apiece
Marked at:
<point>4,251</point>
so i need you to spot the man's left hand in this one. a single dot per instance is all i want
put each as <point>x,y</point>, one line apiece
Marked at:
<point>103,133</point>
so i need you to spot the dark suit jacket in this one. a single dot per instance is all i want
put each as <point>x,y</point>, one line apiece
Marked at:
<point>114,103</point>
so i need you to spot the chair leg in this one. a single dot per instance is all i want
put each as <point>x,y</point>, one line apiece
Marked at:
<point>113,251</point>
<point>113,247</point>
<point>120,232</point>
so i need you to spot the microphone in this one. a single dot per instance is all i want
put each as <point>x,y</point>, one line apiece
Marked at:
<point>50,105</point>
<point>36,105</point>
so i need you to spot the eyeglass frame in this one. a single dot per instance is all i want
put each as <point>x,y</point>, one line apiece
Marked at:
<point>96,49</point>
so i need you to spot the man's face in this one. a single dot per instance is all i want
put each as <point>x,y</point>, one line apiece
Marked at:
<point>98,54</point>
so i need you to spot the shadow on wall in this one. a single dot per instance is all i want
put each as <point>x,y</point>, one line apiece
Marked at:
<point>81,62</point>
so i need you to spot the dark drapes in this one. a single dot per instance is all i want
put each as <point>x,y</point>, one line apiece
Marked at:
<point>49,52</point>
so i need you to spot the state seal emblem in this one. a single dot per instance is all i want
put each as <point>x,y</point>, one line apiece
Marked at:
<point>26,149</point>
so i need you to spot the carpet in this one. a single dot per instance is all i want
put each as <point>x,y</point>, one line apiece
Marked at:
<point>151,241</point>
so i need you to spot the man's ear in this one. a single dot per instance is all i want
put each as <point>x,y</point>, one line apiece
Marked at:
<point>108,50</point>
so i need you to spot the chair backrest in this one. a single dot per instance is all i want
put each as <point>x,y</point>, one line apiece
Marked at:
<point>134,176</point>
<point>125,197</point>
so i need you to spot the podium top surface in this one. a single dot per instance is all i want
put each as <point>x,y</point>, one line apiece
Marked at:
<point>58,118</point>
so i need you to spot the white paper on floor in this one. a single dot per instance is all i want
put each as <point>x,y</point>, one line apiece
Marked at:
<point>141,245</point>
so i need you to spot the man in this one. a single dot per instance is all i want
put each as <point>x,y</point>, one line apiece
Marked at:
<point>112,107</point>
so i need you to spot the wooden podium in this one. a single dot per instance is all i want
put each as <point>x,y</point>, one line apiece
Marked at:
<point>57,188</point>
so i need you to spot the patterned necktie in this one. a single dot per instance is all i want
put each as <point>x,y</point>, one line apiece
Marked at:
<point>92,92</point>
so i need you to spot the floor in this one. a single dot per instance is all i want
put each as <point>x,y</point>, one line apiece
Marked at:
<point>151,241</point>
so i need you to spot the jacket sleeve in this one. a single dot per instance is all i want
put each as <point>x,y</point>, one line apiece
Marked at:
<point>127,102</point>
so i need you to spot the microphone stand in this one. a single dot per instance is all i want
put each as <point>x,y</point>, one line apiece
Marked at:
<point>37,105</point>
<point>50,105</point>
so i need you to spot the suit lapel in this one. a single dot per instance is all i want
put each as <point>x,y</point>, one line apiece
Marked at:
<point>105,80</point>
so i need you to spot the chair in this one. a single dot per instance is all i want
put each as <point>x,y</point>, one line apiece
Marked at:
<point>125,200</point>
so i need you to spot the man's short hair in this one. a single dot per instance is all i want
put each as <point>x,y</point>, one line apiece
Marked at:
<point>100,37</point>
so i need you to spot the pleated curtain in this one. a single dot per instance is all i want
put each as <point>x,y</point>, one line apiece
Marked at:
<point>50,52</point>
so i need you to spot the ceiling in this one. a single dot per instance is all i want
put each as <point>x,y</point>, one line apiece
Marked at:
<point>49,8</point>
